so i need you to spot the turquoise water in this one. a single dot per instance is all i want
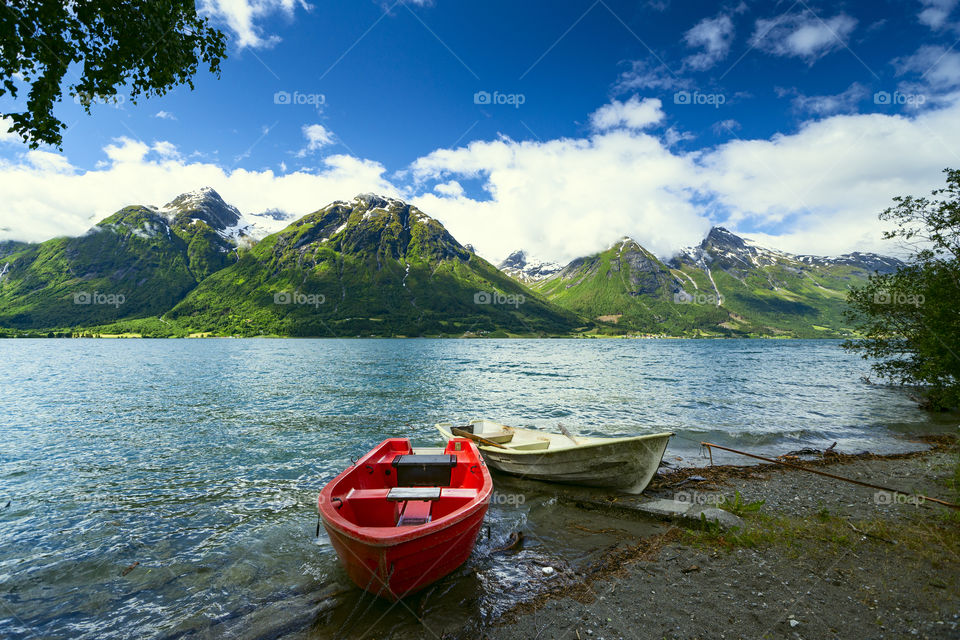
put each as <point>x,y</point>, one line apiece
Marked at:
<point>201,459</point>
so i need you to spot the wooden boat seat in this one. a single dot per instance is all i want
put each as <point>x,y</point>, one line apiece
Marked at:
<point>530,446</point>
<point>458,492</point>
<point>396,494</point>
<point>399,494</point>
<point>366,494</point>
<point>500,437</point>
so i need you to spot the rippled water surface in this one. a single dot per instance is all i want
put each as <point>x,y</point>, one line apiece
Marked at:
<point>166,488</point>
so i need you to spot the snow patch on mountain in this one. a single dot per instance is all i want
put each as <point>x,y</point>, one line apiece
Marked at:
<point>260,225</point>
<point>206,205</point>
<point>726,247</point>
<point>527,268</point>
<point>872,261</point>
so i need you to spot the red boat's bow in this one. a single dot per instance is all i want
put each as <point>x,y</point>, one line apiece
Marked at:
<point>401,519</point>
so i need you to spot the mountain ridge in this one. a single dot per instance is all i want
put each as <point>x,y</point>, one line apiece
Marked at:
<point>384,267</point>
<point>375,266</point>
<point>726,285</point>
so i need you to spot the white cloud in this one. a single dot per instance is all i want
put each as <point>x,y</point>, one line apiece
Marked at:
<point>452,189</point>
<point>126,151</point>
<point>817,190</point>
<point>165,149</point>
<point>45,196</point>
<point>632,114</point>
<point>938,67</point>
<point>804,35</point>
<point>673,135</point>
<point>648,74</point>
<point>844,102</point>
<point>935,12</point>
<point>823,186</point>
<point>5,134</point>
<point>164,115</point>
<point>565,198</point>
<point>241,17</point>
<point>317,137</point>
<point>713,36</point>
<point>48,162</point>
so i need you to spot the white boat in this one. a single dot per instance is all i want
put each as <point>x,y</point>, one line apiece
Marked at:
<point>627,464</point>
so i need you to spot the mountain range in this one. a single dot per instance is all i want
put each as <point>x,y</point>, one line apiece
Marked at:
<point>726,285</point>
<point>379,266</point>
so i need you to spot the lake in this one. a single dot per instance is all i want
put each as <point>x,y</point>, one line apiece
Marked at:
<point>166,488</point>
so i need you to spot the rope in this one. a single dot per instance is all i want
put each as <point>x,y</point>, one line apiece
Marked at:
<point>830,475</point>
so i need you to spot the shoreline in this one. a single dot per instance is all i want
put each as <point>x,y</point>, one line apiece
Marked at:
<point>133,336</point>
<point>818,559</point>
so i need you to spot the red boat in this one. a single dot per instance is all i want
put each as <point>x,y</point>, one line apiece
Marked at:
<point>401,518</point>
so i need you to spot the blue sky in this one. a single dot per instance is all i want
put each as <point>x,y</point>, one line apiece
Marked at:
<point>677,107</point>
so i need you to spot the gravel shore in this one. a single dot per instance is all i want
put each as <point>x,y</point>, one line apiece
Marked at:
<point>819,559</point>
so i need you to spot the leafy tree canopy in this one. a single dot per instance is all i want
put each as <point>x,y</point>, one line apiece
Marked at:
<point>910,319</point>
<point>145,47</point>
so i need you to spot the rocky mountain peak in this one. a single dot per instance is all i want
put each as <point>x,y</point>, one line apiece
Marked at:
<point>516,260</point>
<point>376,201</point>
<point>203,204</point>
<point>526,268</point>
<point>723,249</point>
<point>623,241</point>
<point>376,226</point>
<point>720,236</point>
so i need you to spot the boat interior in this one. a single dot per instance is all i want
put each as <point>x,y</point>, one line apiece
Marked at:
<point>396,485</point>
<point>509,437</point>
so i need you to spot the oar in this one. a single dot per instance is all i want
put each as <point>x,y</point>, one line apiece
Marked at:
<point>563,429</point>
<point>475,438</point>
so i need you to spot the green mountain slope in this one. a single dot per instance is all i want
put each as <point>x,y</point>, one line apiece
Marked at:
<point>209,227</point>
<point>378,266</point>
<point>8,247</point>
<point>772,292</point>
<point>628,286</point>
<point>372,266</point>
<point>724,286</point>
<point>138,262</point>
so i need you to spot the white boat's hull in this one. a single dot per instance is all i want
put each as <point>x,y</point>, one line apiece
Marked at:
<point>627,464</point>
